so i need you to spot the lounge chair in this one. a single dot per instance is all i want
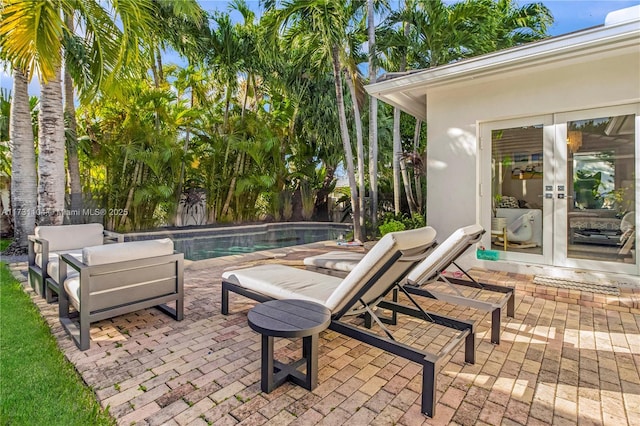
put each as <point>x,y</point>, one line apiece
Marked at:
<point>115,279</point>
<point>431,270</point>
<point>50,242</point>
<point>362,290</point>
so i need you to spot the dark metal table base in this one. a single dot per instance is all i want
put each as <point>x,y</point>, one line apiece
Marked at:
<point>274,373</point>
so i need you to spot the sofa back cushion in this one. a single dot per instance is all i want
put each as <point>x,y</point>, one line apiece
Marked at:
<point>120,252</point>
<point>69,237</point>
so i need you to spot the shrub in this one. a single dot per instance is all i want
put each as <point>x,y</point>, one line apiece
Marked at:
<point>391,225</point>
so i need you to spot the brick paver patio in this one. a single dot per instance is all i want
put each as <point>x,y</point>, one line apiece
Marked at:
<point>568,357</point>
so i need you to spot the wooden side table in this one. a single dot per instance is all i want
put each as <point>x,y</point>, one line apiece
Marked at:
<point>289,318</point>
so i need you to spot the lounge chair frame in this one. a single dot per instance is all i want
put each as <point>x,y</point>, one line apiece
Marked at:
<point>431,363</point>
<point>508,300</point>
<point>495,308</point>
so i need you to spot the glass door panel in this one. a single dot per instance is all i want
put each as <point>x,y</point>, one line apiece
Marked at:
<point>517,189</point>
<point>601,189</point>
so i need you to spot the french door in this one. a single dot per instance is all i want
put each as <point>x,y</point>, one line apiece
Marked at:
<point>563,189</point>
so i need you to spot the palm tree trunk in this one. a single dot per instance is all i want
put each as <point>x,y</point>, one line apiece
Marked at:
<point>346,143</point>
<point>407,187</point>
<point>51,170</point>
<point>359,146</point>
<point>397,155</point>
<point>417,173</point>
<point>75,188</point>
<point>232,186</point>
<point>24,191</point>
<point>132,189</point>
<point>397,144</point>
<point>373,118</point>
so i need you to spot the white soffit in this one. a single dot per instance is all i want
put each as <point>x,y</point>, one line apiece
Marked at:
<point>409,92</point>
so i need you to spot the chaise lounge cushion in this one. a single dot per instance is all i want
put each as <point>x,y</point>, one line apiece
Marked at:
<point>70,237</point>
<point>332,292</point>
<point>112,253</point>
<point>285,282</point>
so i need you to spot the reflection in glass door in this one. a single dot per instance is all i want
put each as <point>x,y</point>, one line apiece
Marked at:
<point>517,189</point>
<point>601,190</point>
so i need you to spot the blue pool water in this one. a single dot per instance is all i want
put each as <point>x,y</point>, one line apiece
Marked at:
<point>217,242</point>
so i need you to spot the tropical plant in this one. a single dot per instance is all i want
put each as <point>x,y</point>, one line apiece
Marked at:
<point>320,26</point>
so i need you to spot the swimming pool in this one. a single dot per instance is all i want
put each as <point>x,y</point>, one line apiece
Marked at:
<point>200,244</point>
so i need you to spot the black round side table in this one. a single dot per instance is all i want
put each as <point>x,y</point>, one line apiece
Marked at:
<point>289,318</point>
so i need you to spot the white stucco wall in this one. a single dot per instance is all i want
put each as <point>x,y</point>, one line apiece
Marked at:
<point>454,112</point>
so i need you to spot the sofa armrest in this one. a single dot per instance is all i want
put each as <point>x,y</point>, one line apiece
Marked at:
<point>73,262</point>
<point>113,237</point>
<point>38,245</point>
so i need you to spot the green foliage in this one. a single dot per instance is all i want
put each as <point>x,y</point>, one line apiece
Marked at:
<point>254,113</point>
<point>39,386</point>
<point>586,186</point>
<point>392,222</point>
<point>391,225</point>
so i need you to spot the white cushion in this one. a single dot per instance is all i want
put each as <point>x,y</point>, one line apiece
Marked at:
<point>69,237</point>
<point>336,260</point>
<point>119,252</point>
<point>54,262</point>
<point>445,253</point>
<point>72,287</point>
<point>288,282</point>
<point>285,282</point>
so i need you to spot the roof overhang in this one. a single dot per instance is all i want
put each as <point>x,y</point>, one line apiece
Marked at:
<point>409,92</point>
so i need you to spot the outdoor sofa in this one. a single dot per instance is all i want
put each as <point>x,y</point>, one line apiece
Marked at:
<point>116,279</point>
<point>49,242</point>
<point>429,280</point>
<point>363,290</point>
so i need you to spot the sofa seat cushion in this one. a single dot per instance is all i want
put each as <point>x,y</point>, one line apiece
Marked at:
<point>120,252</point>
<point>285,282</point>
<point>69,237</point>
<point>54,259</point>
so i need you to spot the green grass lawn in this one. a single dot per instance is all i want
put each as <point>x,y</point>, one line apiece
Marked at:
<point>4,243</point>
<point>38,386</point>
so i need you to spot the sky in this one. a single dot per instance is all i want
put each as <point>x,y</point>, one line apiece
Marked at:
<point>569,16</point>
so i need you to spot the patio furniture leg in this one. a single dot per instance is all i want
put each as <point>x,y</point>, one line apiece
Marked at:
<point>85,328</point>
<point>511,305</point>
<point>224,308</point>
<point>470,347</point>
<point>51,289</point>
<point>310,353</point>
<point>429,389</point>
<point>266,382</point>
<point>495,326</point>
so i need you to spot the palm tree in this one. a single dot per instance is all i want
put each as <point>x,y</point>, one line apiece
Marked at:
<point>32,36</point>
<point>23,169</point>
<point>51,143</point>
<point>320,25</point>
<point>435,33</point>
<point>373,116</point>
